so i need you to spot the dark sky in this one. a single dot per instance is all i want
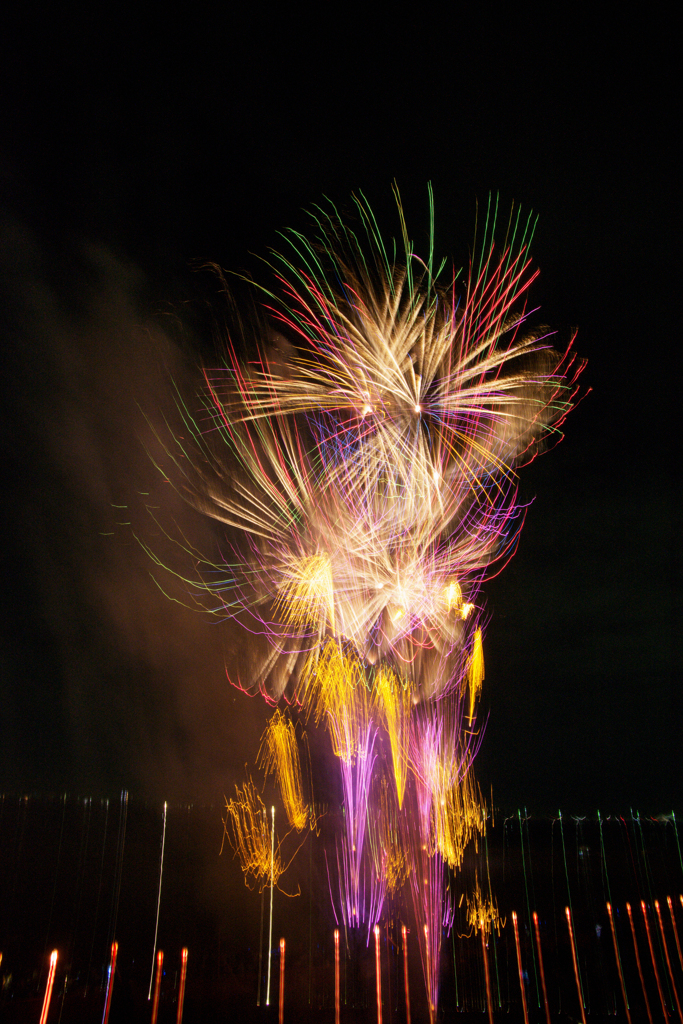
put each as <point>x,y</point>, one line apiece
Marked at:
<point>133,146</point>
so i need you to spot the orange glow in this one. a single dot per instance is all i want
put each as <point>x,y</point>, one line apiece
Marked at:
<point>50,983</point>
<point>404,934</point>
<point>640,969</point>
<point>110,981</point>
<point>157,986</point>
<point>489,1001</point>
<point>279,753</point>
<point>378,976</point>
<point>282,980</point>
<point>668,961</point>
<point>336,976</point>
<point>618,959</point>
<point>519,967</point>
<point>181,993</point>
<point>575,961</point>
<point>654,962</point>
<point>540,961</point>
<point>673,922</point>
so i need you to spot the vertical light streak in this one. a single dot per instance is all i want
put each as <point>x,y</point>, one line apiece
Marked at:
<point>157,986</point>
<point>378,976</point>
<point>260,945</point>
<point>640,968</point>
<point>519,967</point>
<point>489,1004</point>
<point>540,964</point>
<point>337,1008</point>
<point>654,962</point>
<point>48,988</point>
<point>282,981</point>
<point>526,890</point>
<point>673,922</point>
<point>618,959</point>
<point>270,931</point>
<point>404,935</point>
<point>181,994</point>
<point>668,960</point>
<point>575,961</point>
<point>110,981</point>
<point>156,927</point>
<point>432,1006</point>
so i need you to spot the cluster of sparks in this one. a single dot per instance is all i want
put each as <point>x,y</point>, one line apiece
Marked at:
<point>364,466</point>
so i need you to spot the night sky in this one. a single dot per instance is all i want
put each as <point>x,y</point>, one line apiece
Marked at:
<point>133,148</point>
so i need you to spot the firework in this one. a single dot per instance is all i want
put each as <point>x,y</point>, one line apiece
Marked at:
<point>364,469</point>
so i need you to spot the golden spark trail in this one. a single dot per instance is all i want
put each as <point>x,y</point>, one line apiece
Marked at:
<point>279,753</point>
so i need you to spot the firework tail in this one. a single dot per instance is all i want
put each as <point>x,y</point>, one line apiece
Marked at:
<point>48,987</point>
<point>519,967</point>
<point>643,907</point>
<point>404,935</point>
<point>378,975</point>
<point>489,1003</point>
<point>337,1008</point>
<point>673,922</point>
<point>156,927</point>
<point>183,978</point>
<point>110,981</point>
<point>542,971</point>
<point>157,986</point>
<point>575,961</point>
<point>668,960</point>
<point>282,981</point>
<point>640,967</point>
<point>270,931</point>
<point>618,959</point>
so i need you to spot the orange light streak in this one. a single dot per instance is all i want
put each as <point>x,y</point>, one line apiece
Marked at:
<point>336,976</point>
<point>378,975</point>
<point>519,967</point>
<point>616,956</point>
<point>540,962</point>
<point>157,986</point>
<point>282,980</point>
<point>489,1002</point>
<point>50,983</point>
<point>572,942</point>
<point>640,969</point>
<point>404,935</point>
<point>110,981</point>
<point>654,962</point>
<point>673,921</point>
<point>668,961</point>
<point>181,994</point>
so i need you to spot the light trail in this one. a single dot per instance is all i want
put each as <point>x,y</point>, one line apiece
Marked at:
<point>675,928</point>
<point>575,961</point>
<point>181,992</point>
<point>638,963</point>
<point>337,1008</point>
<point>157,986</point>
<point>48,987</point>
<point>404,935</point>
<point>540,964</point>
<point>272,886</point>
<point>378,975</point>
<point>156,926</point>
<point>111,974</point>
<point>519,967</point>
<point>618,959</point>
<point>665,1011</point>
<point>668,960</point>
<point>281,1006</point>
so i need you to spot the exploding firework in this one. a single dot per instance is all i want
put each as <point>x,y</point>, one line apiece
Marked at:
<point>365,471</point>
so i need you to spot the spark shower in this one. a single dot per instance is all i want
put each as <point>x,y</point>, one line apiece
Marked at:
<point>363,461</point>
